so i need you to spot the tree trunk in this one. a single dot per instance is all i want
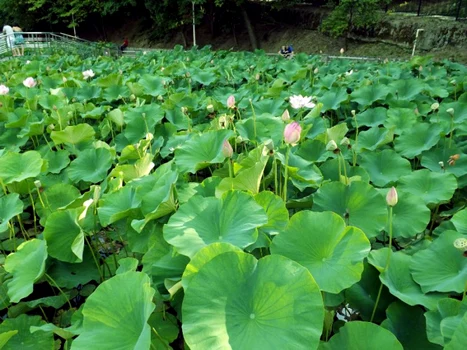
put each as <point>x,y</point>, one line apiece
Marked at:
<point>249,27</point>
<point>184,40</point>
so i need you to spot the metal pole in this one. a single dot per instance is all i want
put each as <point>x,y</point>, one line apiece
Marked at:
<point>194,27</point>
<point>459,5</point>
<point>74,24</point>
<point>415,41</point>
<point>419,7</point>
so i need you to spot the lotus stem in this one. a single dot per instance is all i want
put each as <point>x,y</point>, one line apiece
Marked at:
<point>231,172</point>
<point>94,258</point>
<point>286,173</point>
<point>451,132</point>
<point>59,289</point>
<point>275,165</point>
<point>354,162</point>
<point>254,120</point>
<point>345,168</point>
<point>33,211</point>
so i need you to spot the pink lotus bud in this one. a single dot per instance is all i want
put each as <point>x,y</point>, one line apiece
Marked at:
<point>29,82</point>
<point>4,90</point>
<point>285,116</point>
<point>292,133</point>
<point>391,197</point>
<point>231,101</point>
<point>227,149</point>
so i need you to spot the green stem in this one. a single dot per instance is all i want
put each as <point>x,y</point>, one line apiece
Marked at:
<point>59,289</point>
<point>254,120</point>
<point>433,220</point>
<point>33,211</point>
<point>276,188</point>
<point>286,174</point>
<point>376,302</point>
<point>356,143</point>
<point>94,258</point>
<point>451,132</point>
<point>231,173</point>
<point>345,168</point>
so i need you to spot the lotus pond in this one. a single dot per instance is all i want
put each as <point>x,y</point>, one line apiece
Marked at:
<point>220,200</point>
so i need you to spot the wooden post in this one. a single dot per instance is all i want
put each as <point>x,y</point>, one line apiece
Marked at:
<point>419,7</point>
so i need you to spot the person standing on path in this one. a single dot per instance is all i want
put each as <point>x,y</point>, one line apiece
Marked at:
<point>19,40</point>
<point>10,39</point>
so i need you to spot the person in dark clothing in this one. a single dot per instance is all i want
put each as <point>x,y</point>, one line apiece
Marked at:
<point>286,51</point>
<point>124,45</point>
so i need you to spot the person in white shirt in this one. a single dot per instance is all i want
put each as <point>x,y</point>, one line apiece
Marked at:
<point>10,39</point>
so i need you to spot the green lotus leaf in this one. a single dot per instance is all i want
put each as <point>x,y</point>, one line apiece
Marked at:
<point>363,294</point>
<point>335,258</point>
<point>359,335</point>
<point>116,116</point>
<point>372,117</point>
<point>64,236</point>
<point>23,338</point>
<point>384,166</point>
<point>10,206</point>
<point>162,262</point>
<point>374,138</point>
<point>413,141</point>
<point>57,161</point>
<point>261,130</point>
<point>202,257</point>
<point>141,121</point>
<point>278,215</point>
<point>234,219</point>
<point>399,279</point>
<point>460,221</point>
<point>16,167</point>
<point>152,85</point>
<point>367,95</point>
<point>431,160</point>
<point>265,304</point>
<point>459,337</point>
<point>201,150</point>
<point>73,134</point>
<point>332,99</point>
<point>407,323</point>
<point>407,89</point>
<point>303,173</point>
<point>125,202</point>
<point>55,197</point>
<point>91,165</point>
<point>88,92</point>
<point>330,171</point>
<point>354,203</point>
<point>442,322</point>
<point>51,102</point>
<point>336,133</point>
<point>248,173</point>
<point>115,316</point>
<point>400,119</point>
<point>410,216</point>
<point>203,76</point>
<point>26,266</point>
<point>431,188</point>
<point>68,275</point>
<point>5,336</point>
<point>440,267</point>
<point>115,92</point>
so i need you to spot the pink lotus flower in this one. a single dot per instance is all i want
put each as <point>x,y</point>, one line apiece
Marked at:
<point>292,133</point>
<point>227,149</point>
<point>88,74</point>
<point>299,101</point>
<point>231,101</point>
<point>4,89</point>
<point>29,82</point>
<point>391,197</point>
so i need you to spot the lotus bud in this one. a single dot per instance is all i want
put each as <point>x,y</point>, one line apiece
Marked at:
<point>132,97</point>
<point>223,121</point>
<point>28,61</point>
<point>4,90</point>
<point>453,82</point>
<point>227,149</point>
<point>162,69</point>
<point>450,111</point>
<point>345,142</point>
<point>187,74</point>
<point>416,112</point>
<point>210,108</point>
<point>160,98</point>
<point>64,79</point>
<point>386,61</point>
<point>149,136</point>
<point>51,127</point>
<point>231,101</point>
<point>391,197</point>
<point>292,133</point>
<point>320,52</point>
<point>420,68</point>
<point>434,106</point>
<point>332,146</point>
<point>38,184</point>
<point>441,164</point>
<point>285,116</point>
<point>353,112</point>
<point>342,51</point>
<point>184,110</point>
<point>461,244</point>
<point>258,76</point>
<point>316,71</point>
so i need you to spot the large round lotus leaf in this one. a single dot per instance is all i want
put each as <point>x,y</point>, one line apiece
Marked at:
<point>201,258</point>
<point>362,295</point>
<point>430,188</point>
<point>118,205</point>
<point>373,138</point>
<point>115,315</point>
<point>26,266</point>
<point>64,236</point>
<point>141,120</point>
<point>410,216</point>
<point>330,171</point>
<point>441,267</point>
<point>57,160</point>
<point>355,203</point>
<point>431,159</point>
<point>10,206</point>
<point>16,167</point>
<point>237,302</point>
<point>330,250</point>
<point>384,166</point>
<point>460,221</point>
<point>278,215</point>
<point>23,338</point>
<point>73,134</point>
<point>366,95</point>
<point>407,89</point>
<point>399,279</point>
<point>400,119</point>
<point>91,165</point>
<point>459,338</point>
<point>359,335</point>
<point>201,150</point>
<point>55,197</point>
<point>443,322</point>
<point>413,141</point>
<point>233,219</point>
<point>408,324</point>
<point>372,117</point>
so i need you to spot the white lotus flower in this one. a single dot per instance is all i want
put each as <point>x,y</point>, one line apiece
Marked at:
<point>29,82</point>
<point>88,74</point>
<point>299,101</point>
<point>4,89</point>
